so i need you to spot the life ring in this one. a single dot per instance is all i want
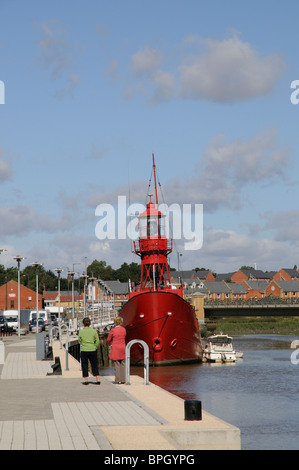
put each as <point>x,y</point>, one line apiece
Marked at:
<point>173,343</point>
<point>157,344</point>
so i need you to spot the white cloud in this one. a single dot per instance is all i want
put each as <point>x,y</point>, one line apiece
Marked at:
<point>5,168</point>
<point>229,250</point>
<point>21,219</point>
<point>226,250</point>
<point>256,159</point>
<point>72,83</point>
<point>285,225</point>
<point>222,71</point>
<point>164,86</point>
<point>112,71</point>
<point>137,190</point>
<point>145,61</point>
<point>102,31</point>
<point>55,52</point>
<point>229,71</point>
<point>56,55</point>
<point>227,167</point>
<point>222,173</point>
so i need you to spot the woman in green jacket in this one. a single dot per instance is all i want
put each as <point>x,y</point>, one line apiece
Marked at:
<point>89,340</point>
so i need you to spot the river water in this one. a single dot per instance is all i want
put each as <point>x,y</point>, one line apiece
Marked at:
<point>258,394</point>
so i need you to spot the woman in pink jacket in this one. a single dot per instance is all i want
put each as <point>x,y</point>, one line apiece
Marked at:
<point>117,338</point>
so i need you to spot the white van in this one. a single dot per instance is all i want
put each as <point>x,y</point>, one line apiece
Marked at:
<point>44,315</point>
<point>11,318</point>
<point>41,314</point>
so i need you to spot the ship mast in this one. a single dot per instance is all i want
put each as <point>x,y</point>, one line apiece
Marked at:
<point>154,167</point>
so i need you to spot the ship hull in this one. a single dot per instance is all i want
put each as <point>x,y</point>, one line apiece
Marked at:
<point>168,325</point>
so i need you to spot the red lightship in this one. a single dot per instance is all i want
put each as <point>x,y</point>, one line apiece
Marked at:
<point>156,311</point>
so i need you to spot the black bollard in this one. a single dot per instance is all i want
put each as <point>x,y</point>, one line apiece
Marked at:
<point>56,367</point>
<point>192,410</point>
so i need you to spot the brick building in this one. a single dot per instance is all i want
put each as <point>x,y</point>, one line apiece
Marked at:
<point>190,277</point>
<point>104,291</point>
<point>283,289</point>
<point>66,299</point>
<point>256,289</point>
<point>286,275</point>
<point>9,297</point>
<point>250,274</point>
<point>218,290</point>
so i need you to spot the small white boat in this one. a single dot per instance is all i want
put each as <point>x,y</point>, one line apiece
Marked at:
<point>219,348</point>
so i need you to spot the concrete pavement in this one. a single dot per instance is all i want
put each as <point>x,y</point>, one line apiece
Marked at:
<point>40,411</point>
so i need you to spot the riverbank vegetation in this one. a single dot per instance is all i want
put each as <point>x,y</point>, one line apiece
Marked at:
<point>255,325</point>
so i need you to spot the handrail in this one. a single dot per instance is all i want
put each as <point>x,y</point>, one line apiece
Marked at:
<point>146,360</point>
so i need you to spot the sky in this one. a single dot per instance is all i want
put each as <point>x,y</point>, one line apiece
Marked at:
<point>90,90</point>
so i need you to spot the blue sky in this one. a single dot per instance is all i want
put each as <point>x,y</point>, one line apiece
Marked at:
<point>93,88</point>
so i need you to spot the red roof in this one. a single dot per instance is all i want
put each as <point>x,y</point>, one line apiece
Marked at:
<point>151,210</point>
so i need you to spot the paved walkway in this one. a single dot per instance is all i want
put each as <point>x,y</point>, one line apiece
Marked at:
<point>38,411</point>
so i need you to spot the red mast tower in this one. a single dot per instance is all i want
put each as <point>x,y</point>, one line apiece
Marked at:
<point>153,247</point>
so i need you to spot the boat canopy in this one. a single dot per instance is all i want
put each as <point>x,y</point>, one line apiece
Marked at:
<point>220,339</point>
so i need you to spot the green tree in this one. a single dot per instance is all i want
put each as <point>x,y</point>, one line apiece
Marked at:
<point>100,270</point>
<point>128,271</point>
<point>2,274</point>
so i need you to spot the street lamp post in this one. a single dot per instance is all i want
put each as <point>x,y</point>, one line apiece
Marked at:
<point>72,274</point>
<point>1,251</point>
<point>179,254</point>
<point>92,279</point>
<point>36,265</point>
<point>59,270</point>
<point>18,259</point>
<point>85,277</point>
<point>73,300</point>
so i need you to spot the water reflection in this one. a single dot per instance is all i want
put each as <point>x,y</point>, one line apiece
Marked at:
<point>257,393</point>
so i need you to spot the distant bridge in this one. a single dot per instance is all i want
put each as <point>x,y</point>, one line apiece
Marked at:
<point>262,308</point>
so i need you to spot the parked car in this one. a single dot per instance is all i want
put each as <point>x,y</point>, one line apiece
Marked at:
<point>41,325</point>
<point>3,326</point>
<point>41,314</point>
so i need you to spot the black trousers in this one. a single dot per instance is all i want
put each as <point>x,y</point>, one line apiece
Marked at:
<point>92,356</point>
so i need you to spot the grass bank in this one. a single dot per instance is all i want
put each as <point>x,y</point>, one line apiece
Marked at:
<point>256,325</point>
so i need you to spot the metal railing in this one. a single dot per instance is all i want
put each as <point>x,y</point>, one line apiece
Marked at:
<point>102,317</point>
<point>265,301</point>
